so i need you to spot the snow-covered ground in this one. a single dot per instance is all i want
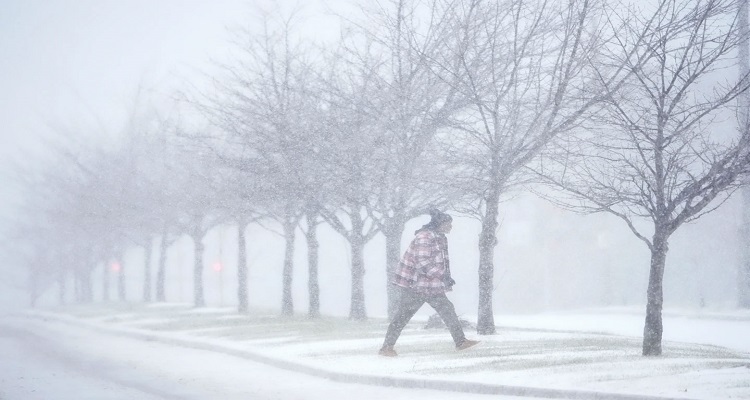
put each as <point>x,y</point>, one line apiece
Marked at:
<point>582,354</point>
<point>730,329</point>
<point>62,362</point>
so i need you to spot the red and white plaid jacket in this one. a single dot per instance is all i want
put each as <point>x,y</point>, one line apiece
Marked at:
<point>424,264</point>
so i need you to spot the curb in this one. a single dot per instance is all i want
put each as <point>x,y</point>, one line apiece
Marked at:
<point>374,380</point>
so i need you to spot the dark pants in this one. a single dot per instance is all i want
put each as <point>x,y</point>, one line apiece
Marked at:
<point>411,302</point>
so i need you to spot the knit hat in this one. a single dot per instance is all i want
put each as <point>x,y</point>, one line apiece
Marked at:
<point>437,218</point>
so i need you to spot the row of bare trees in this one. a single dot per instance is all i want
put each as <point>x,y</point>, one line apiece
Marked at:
<point>626,109</point>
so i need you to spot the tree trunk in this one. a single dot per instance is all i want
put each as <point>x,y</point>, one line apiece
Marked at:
<point>33,284</point>
<point>147,271</point>
<point>313,286</point>
<point>61,287</point>
<point>162,268</point>
<point>77,283</point>
<point>287,303</point>
<point>242,295</point>
<point>487,242</point>
<point>121,294</point>
<point>198,296</point>
<point>357,307</point>
<point>743,278</point>
<point>105,282</point>
<point>87,290</point>
<point>357,310</point>
<point>394,229</point>
<point>652,331</point>
<point>84,270</point>
<point>161,271</point>
<point>743,270</point>
<point>33,291</point>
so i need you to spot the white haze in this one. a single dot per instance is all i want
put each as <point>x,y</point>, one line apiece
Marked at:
<point>75,67</point>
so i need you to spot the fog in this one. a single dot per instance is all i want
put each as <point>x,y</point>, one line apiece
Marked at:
<point>137,128</point>
<point>73,70</point>
<point>547,260</point>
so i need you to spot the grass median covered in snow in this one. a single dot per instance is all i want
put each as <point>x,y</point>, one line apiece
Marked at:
<point>553,358</point>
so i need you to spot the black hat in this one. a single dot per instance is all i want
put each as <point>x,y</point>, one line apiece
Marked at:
<point>437,218</point>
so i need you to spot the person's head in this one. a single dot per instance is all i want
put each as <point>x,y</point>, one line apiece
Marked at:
<point>439,222</point>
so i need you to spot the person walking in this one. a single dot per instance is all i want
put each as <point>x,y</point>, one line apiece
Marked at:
<point>424,276</point>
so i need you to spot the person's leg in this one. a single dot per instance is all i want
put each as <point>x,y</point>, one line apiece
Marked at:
<point>447,312</point>
<point>409,304</point>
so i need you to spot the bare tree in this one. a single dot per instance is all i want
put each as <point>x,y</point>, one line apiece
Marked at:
<point>351,152</point>
<point>74,212</point>
<point>661,155</point>
<point>743,281</point>
<point>411,104</point>
<point>159,167</point>
<point>144,176</point>
<point>265,109</point>
<point>348,210</point>
<point>527,69</point>
<point>196,198</point>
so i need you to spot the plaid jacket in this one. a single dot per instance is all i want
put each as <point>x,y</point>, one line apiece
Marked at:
<point>424,265</point>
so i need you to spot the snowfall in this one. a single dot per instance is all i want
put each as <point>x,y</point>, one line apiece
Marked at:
<point>174,351</point>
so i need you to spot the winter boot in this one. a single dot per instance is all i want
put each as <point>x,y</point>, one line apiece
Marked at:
<point>387,351</point>
<point>466,344</point>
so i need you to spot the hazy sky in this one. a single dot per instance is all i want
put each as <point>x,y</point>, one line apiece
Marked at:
<point>77,64</point>
<point>63,60</point>
<point>74,66</point>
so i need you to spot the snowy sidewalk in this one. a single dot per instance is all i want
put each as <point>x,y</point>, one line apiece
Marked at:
<point>519,360</point>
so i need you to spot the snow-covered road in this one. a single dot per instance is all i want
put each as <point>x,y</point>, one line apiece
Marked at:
<point>48,360</point>
<point>34,368</point>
